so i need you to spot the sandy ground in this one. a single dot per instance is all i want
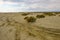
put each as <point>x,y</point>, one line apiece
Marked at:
<point>14,27</point>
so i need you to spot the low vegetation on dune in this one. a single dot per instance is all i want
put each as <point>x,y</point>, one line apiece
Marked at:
<point>40,16</point>
<point>30,19</point>
<point>25,17</point>
<point>50,14</point>
<point>33,19</point>
<point>57,12</point>
<point>25,14</point>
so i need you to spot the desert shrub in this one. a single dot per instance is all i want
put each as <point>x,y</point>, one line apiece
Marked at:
<point>49,14</point>
<point>30,19</point>
<point>24,14</point>
<point>25,17</point>
<point>40,16</point>
<point>57,12</point>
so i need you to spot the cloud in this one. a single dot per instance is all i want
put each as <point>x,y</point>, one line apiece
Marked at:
<point>12,6</point>
<point>29,5</point>
<point>13,0</point>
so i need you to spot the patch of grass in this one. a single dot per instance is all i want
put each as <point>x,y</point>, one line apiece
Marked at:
<point>40,16</point>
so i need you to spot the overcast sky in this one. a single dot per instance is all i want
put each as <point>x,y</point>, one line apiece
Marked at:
<point>29,5</point>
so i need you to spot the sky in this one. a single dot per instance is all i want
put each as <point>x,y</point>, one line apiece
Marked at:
<point>29,5</point>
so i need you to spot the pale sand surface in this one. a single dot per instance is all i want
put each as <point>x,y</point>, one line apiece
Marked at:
<point>14,27</point>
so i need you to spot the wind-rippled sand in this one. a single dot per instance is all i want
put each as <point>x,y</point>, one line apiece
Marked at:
<point>14,27</point>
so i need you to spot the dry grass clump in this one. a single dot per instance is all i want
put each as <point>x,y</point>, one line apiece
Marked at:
<point>30,19</point>
<point>40,16</point>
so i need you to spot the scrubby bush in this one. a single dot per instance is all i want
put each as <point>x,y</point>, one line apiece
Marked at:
<point>24,14</point>
<point>57,12</point>
<point>30,19</point>
<point>49,14</point>
<point>40,16</point>
<point>25,17</point>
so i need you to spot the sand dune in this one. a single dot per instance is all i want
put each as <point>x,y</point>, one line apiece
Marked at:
<point>14,27</point>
